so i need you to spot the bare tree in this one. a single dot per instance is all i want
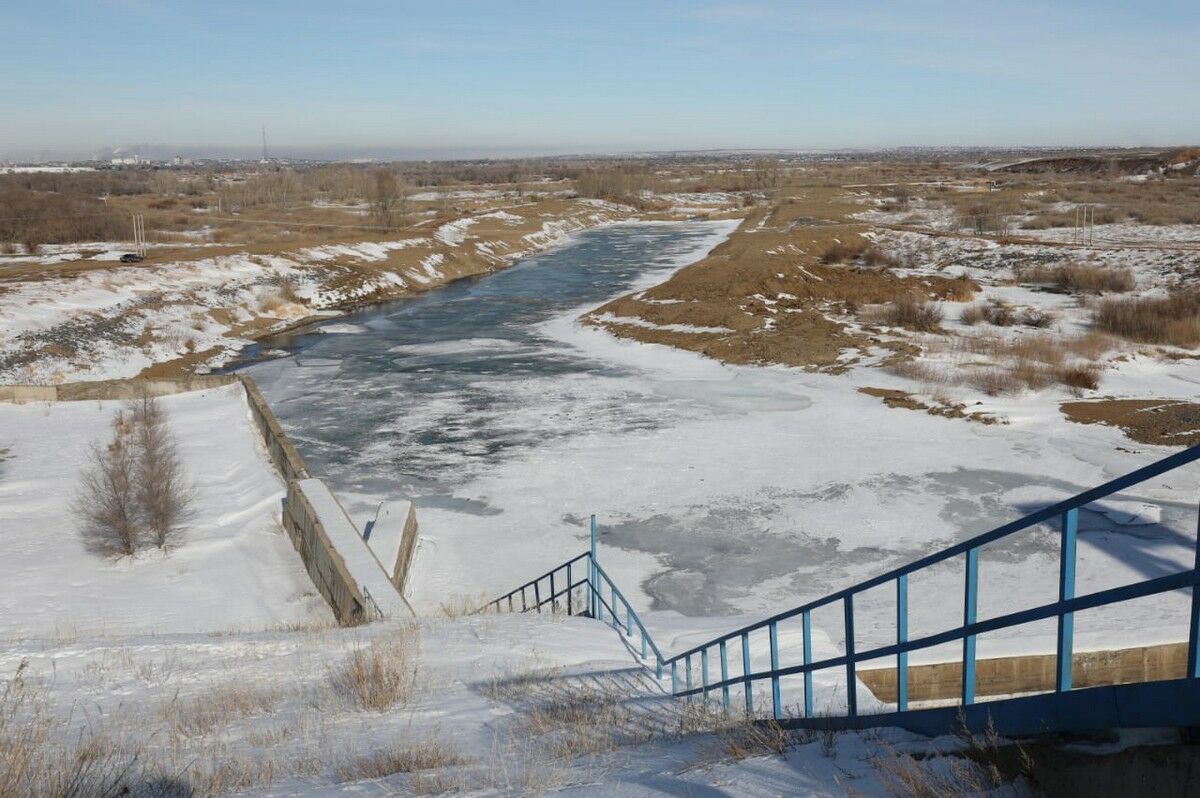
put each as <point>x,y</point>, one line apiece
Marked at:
<point>106,501</point>
<point>162,492</point>
<point>387,199</point>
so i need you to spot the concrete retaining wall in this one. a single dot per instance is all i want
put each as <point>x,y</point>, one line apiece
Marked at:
<point>279,446</point>
<point>325,566</point>
<point>393,539</point>
<point>1033,673</point>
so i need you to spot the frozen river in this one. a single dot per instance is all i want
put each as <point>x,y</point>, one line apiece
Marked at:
<point>721,490</point>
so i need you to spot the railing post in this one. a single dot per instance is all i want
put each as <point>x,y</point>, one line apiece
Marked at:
<point>851,678</point>
<point>970,603</point>
<point>806,620</point>
<point>748,686</point>
<point>553,595</point>
<point>658,669</point>
<point>674,677</point>
<point>537,595</point>
<point>704,672</point>
<point>687,674</point>
<point>1193,663</point>
<point>776,705</point>
<point>901,638</point>
<point>1066,591</point>
<point>724,677</point>
<point>593,577</point>
<point>645,650</point>
<point>524,602</point>
<point>612,603</point>
<point>628,619</point>
<point>570,590</point>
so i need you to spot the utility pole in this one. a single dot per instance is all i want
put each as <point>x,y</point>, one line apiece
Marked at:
<point>264,137</point>
<point>139,234</point>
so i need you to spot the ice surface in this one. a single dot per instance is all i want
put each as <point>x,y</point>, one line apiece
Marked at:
<point>720,489</point>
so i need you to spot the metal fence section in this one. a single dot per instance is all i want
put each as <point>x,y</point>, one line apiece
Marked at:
<point>691,670</point>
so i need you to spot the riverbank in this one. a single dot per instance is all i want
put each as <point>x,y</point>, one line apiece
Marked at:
<point>98,319</point>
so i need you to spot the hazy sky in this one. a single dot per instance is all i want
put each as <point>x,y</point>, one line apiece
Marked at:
<point>443,76</point>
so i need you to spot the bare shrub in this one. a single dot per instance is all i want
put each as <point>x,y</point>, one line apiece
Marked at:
<point>973,314</point>
<point>380,675</point>
<point>106,501</point>
<point>428,754</point>
<point>960,289</point>
<point>993,312</point>
<point>999,313</point>
<point>1079,278</point>
<point>1173,319</point>
<point>163,494</point>
<point>1079,377</point>
<point>1037,318</point>
<point>912,313</point>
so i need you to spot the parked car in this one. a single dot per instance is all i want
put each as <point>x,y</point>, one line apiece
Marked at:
<point>131,257</point>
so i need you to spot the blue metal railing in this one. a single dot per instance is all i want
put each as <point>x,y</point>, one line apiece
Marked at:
<point>1066,513</point>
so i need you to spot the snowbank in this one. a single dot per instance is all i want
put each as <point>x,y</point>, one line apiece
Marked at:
<point>234,569</point>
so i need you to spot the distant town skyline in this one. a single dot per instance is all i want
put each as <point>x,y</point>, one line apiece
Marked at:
<point>475,79</point>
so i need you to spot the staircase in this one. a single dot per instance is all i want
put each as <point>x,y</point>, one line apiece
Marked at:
<point>744,665</point>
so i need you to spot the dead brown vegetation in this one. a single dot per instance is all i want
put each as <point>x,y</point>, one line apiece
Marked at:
<point>426,754</point>
<point>1074,277</point>
<point>1173,319</point>
<point>1162,422</point>
<point>1002,314</point>
<point>381,674</point>
<point>912,313</point>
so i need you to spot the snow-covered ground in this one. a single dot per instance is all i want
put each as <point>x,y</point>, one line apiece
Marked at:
<point>235,568</point>
<point>511,705</point>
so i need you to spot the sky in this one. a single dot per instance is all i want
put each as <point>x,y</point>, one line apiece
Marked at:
<point>448,78</point>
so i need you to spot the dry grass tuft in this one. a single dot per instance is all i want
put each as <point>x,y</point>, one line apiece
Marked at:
<point>459,605</point>
<point>38,757</point>
<point>1080,377</point>
<point>218,708</point>
<point>1002,314</point>
<point>912,313</point>
<point>1173,319</point>
<point>380,675</point>
<point>1079,278</point>
<point>755,739</point>
<point>1036,318</point>
<point>428,754</point>
<point>983,767</point>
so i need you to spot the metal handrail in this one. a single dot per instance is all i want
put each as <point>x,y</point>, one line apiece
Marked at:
<point>1075,502</point>
<point>598,581</point>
